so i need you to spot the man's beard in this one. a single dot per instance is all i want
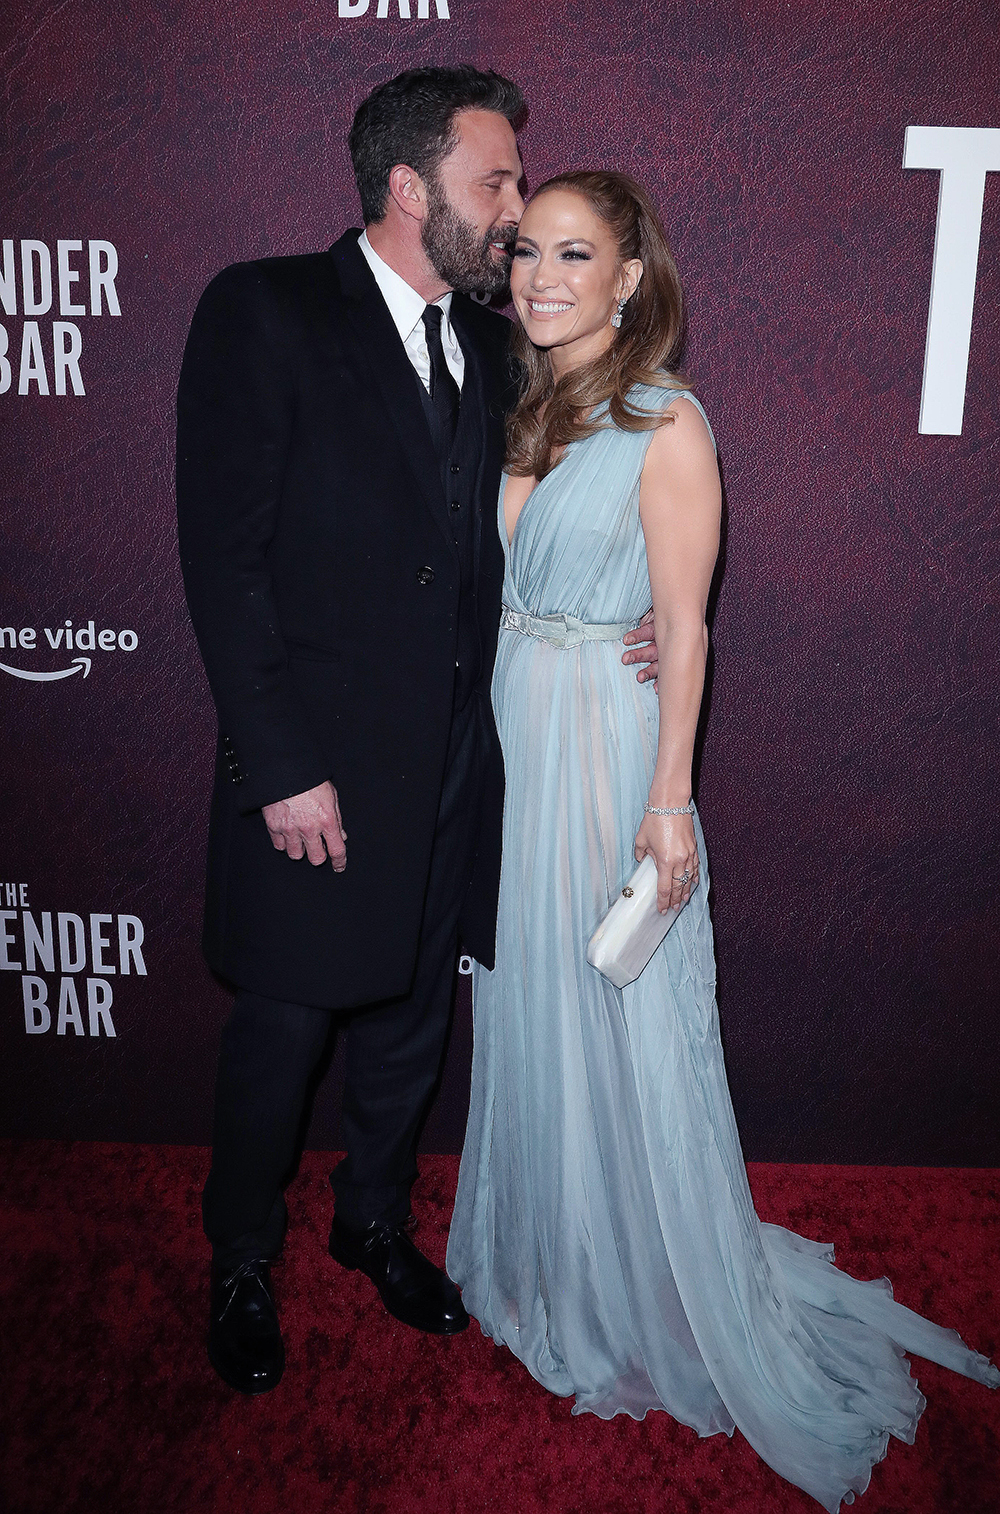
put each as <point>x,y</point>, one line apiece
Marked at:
<point>458,253</point>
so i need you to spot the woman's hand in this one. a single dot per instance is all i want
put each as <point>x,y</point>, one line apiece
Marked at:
<point>670,841</point>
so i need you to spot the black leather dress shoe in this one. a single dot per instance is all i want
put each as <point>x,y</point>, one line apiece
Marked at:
<point>409,1284</point>
<point>244,1337</point>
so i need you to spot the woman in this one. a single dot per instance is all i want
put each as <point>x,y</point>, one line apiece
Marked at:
<point>603,1228</point>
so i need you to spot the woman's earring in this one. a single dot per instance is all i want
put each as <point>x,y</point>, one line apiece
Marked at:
<point>616,319</point>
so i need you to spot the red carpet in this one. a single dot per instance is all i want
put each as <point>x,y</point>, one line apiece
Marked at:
<point>110,1404</point>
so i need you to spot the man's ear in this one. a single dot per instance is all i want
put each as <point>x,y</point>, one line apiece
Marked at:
<point>407,192</point>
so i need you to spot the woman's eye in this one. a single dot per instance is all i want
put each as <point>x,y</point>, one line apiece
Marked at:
<point>521,252</point>
<point>577,256</point>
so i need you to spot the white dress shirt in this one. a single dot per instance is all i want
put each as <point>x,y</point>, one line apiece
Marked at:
<point>406,307</point>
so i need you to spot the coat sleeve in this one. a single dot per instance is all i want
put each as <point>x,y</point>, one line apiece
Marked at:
<point>235,414</point>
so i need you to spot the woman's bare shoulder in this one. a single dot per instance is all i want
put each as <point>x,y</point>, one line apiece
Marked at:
<point>686,433</point>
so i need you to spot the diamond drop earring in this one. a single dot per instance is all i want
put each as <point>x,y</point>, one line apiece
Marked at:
<point>616,319</point>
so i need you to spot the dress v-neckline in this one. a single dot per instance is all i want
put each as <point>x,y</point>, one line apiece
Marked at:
<point>511,536</point>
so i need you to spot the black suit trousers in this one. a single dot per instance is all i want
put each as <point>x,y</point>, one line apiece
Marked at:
<point>394,1051</point>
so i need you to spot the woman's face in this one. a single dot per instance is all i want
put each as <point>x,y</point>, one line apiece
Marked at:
<point>566,278</point>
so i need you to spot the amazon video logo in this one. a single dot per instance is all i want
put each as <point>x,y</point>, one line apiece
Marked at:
<point>66,647</point>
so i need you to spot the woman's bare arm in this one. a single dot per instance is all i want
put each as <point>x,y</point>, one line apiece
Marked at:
<point>680,505</point>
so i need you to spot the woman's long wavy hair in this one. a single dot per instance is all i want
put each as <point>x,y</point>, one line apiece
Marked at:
<point>643,351</point>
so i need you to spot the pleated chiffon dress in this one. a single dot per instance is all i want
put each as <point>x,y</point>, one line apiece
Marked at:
<point>604,1229</point>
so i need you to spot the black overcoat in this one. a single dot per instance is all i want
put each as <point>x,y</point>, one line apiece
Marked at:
<point>323,584</point>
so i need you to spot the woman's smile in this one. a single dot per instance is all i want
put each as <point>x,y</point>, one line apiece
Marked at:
<point>547,308</point>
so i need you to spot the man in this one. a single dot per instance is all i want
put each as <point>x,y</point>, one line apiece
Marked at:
<point>340,440</point>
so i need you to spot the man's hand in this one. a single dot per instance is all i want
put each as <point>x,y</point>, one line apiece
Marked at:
<point>309,825</point>
<point>644,654</point>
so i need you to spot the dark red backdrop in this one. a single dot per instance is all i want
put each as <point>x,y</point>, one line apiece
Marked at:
<point>848,783</point>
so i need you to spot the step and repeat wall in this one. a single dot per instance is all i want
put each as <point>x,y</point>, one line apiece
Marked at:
<point>830,178</point>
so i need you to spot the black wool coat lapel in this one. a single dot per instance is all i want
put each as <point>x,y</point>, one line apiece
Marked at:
<point>385,370</point>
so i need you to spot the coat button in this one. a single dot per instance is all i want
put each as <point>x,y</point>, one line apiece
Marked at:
<point>425,575</point>
<point>455,505</point>
<point>456,468</point>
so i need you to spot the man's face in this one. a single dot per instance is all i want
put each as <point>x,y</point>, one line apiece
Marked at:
<point>474,205</point>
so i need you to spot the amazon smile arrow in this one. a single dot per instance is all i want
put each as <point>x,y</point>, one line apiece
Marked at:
<point>78,663</point>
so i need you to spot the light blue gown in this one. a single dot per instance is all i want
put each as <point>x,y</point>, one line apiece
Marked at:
<point>604,1229</point>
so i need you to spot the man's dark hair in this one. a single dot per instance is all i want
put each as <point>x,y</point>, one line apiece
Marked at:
<point>410,119</point>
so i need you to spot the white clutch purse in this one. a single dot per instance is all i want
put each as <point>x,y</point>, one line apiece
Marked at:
<point>631,930</point>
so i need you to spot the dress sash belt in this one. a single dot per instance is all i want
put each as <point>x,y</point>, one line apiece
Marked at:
<point>562,631</point>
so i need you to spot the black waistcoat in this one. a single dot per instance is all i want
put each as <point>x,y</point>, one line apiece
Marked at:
<point>459,469</point>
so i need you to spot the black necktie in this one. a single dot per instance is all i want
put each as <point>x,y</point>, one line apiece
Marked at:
<point>444,392</point>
